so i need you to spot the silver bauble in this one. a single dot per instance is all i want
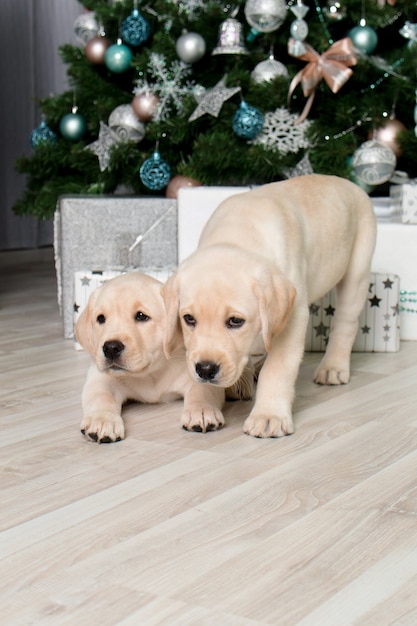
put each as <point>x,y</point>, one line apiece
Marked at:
<point>125,124</point>
<point>190,47</point>
<point>373,163</point>
<point>265,16</point>
<point>86,27</point>
<point>268,70</point>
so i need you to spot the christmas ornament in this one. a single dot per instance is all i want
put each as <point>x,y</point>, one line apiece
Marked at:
<point>42,136</point>
<point>190,47</point>
<point>332,66</point>
<point>364,38</point>
<point>155,172</point>
<point>179,182</point>
<point>302,168</point>
<point>145,106</point>
<point>409,31</point>
<point>73,125</point>
<point>373,163</point>
<point>96,48</point>
<point>135,29</point>
<point>247,121</point>
<point>230,39</point>
<point>118,57</point>
<point>125,124</point>
<point>334,10</point>
<point>106,140</point>
<point>265,16</point>
<point>281,134</point>
<point>268,70</point>
<point>86,27</point>
<point>299,28</point>
<point>169,84</point>
<point>212,100</point>
<point>388,134</point>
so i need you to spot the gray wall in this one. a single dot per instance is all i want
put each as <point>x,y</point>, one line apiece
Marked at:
<point>30,68</point>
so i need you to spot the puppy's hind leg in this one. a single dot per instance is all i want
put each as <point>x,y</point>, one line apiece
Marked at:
<point>334,368</point>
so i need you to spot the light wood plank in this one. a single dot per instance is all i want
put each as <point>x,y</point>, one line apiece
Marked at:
<point>176,528</point>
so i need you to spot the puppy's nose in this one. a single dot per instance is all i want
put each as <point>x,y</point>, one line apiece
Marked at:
<point>113,349</point>
<point>207,370</point>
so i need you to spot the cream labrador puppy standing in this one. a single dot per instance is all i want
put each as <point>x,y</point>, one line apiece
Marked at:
<point>263,257</point>
<point>122,328</point>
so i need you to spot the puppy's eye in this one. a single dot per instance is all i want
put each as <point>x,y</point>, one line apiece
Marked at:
<point>141,317</point>
<point>235,322</point>
<point>189,320</point>
<point>101,319</point>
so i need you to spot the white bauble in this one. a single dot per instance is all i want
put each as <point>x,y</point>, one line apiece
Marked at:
<point>125,124</point>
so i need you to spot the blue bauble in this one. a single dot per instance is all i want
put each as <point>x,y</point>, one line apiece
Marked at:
<point>247,121</point>
<point>155,173</point>
<point>364,38</point>
<point>72,126</point>
<point>42,136</point>
<point>135,29</point>
<point>118,58</point>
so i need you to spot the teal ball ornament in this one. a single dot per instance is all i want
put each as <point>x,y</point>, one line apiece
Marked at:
<point>247,121</point>
<point>118,58</point>
<point>72,126</point>
<point>42,136</point>
<point>135,29</point>
<point>155,173</point>
<point>364,38</point>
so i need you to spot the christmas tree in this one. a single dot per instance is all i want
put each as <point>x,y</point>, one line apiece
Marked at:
<point>227,95</point>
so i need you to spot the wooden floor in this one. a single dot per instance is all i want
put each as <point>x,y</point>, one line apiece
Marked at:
<point>175,528</point>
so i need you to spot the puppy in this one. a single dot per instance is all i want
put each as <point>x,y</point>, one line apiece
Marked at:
<point>122,328</point>
<point>263,257</point>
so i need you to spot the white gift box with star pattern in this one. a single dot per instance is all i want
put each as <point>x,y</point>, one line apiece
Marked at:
<point>379,323</point>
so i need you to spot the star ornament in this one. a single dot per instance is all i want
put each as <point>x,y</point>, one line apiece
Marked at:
<point>107,138</point>
<point>212,100</point>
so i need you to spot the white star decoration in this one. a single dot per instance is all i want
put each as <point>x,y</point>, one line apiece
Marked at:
<point>212,101</point>
<point>101,147</point>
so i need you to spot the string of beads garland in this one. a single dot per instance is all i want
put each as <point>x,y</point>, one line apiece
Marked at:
<point>404,297</point>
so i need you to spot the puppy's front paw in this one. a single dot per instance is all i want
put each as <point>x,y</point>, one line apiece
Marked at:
<point>103,428</point>
<point>201,418</point>
<point>328,375</point>
<point>268,426</point>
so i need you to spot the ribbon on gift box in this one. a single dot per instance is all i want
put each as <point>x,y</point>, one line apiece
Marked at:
<point>331,66</point>
<point>147,232</point>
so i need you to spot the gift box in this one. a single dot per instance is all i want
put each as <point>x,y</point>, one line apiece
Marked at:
<point>396,249</point>
<point>379,323</point>
<point>86,281</point>
<point>110,233</point>
<point>404,201</point>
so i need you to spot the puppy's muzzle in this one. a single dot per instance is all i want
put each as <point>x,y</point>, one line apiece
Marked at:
<point>113,349</point>
<point>207,370</point>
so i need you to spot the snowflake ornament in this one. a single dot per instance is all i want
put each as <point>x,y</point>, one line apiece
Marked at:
<point>168,84</point>
<point>280,134</point>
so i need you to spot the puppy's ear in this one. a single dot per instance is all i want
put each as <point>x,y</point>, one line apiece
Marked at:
<point>276,296</point>
<point>84,325</point>
<point>173,332</point>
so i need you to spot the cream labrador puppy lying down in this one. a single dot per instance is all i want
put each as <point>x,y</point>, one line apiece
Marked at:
<point>122,328</point>
<point>263,257</point>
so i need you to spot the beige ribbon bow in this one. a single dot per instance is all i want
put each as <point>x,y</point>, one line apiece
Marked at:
<point>332,66</point>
